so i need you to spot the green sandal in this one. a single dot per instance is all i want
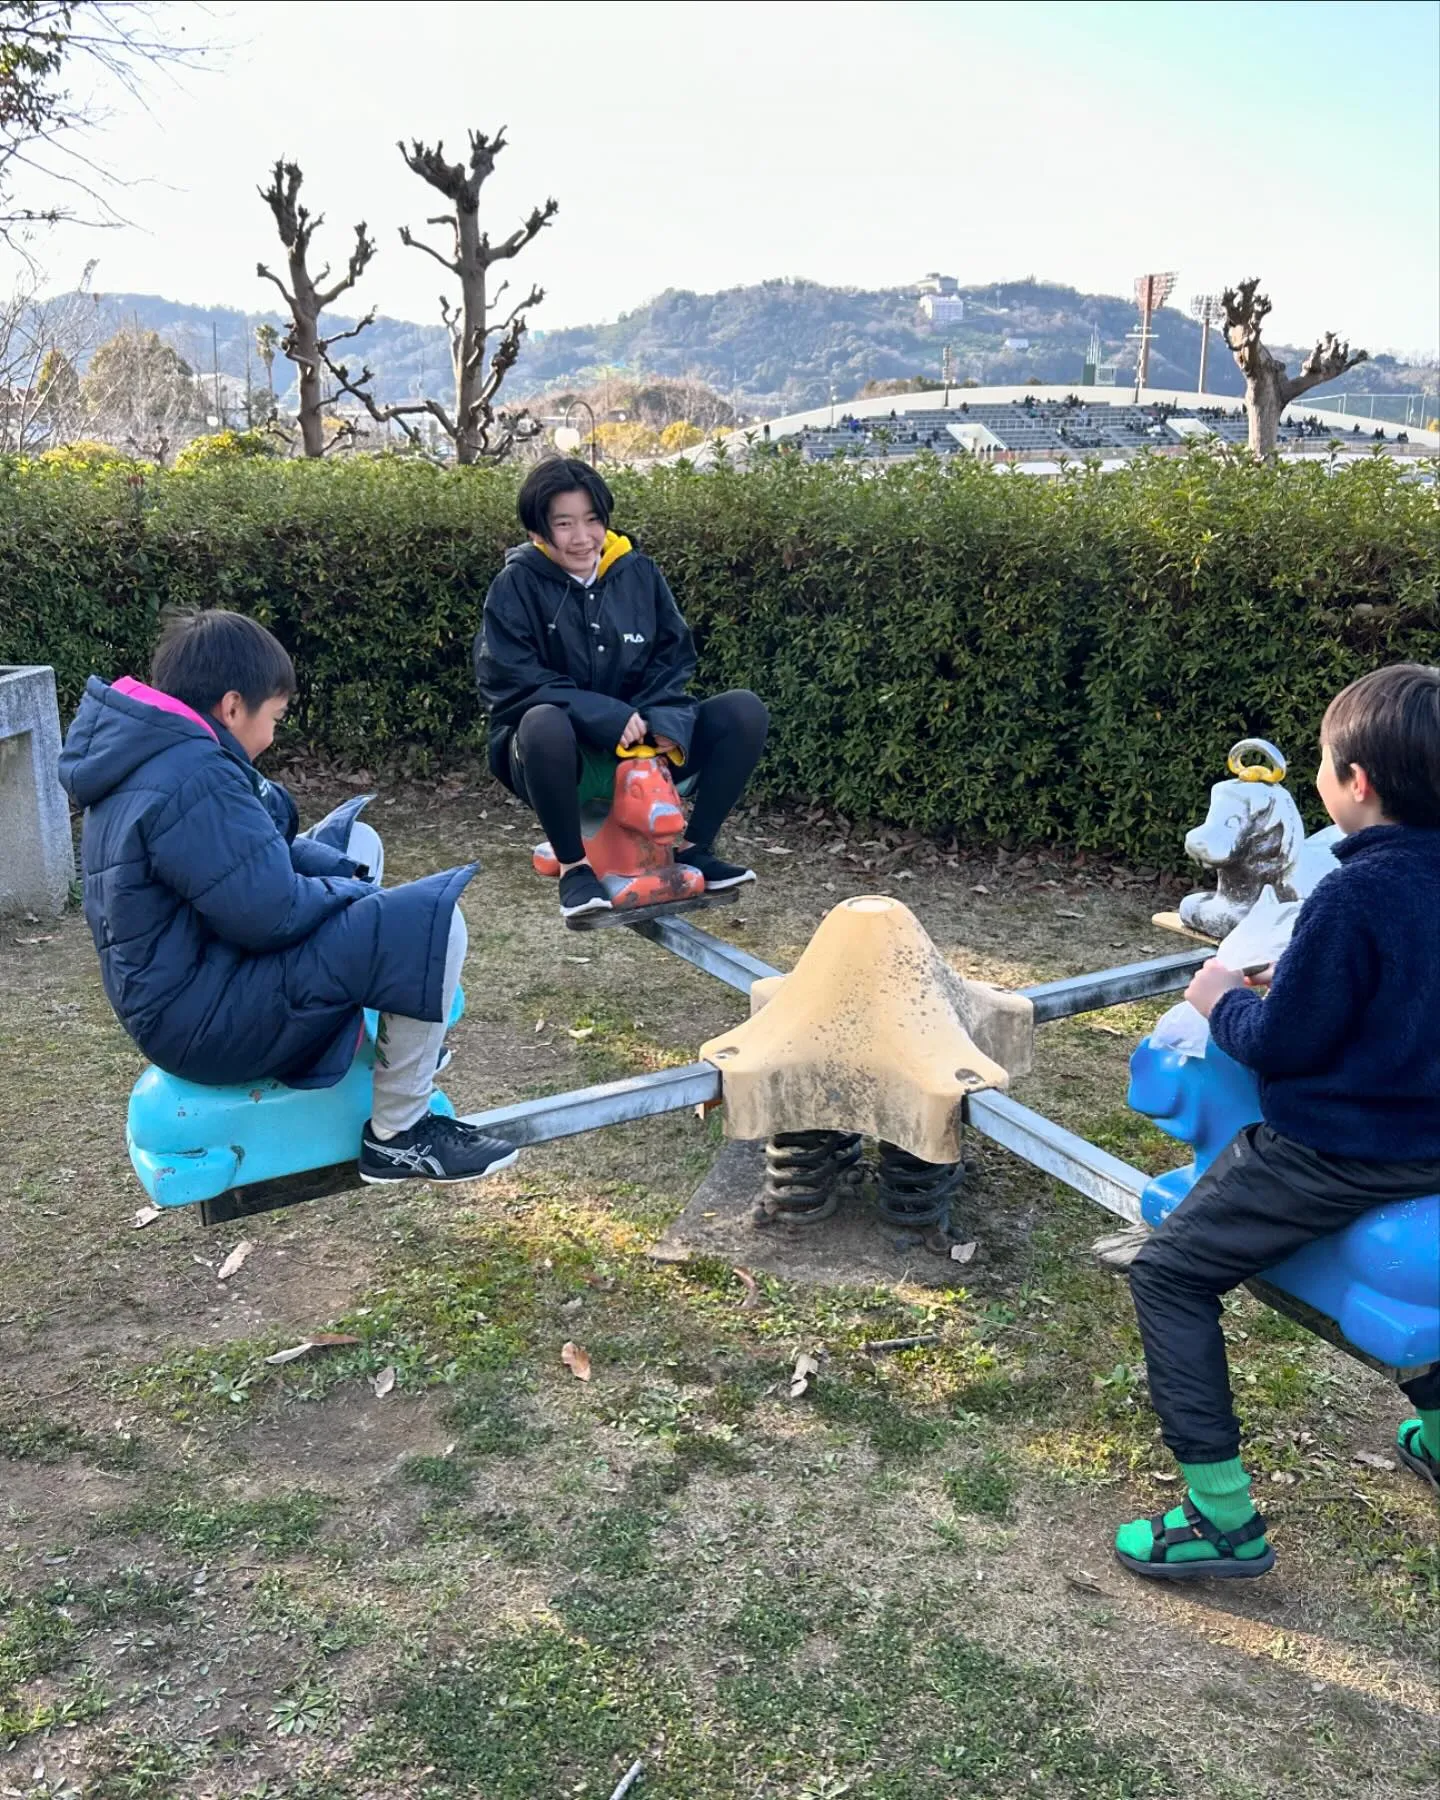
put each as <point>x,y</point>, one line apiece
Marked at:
<point>1414,1455</point>
<point>1223,1566</point>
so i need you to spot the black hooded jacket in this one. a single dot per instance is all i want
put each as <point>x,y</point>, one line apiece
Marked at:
<point>599,652</point>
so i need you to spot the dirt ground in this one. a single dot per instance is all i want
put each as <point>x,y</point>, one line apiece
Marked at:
<point>433,1563</point>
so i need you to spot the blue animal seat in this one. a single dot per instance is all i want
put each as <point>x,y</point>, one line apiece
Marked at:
<point>1377,1283</point>
<point>248,1148</point>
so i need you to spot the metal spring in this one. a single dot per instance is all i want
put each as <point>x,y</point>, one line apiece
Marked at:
<point>912,1193</point>
<point>804,1173</point>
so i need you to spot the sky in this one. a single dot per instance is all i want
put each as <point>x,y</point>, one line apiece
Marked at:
<point>707,145</point>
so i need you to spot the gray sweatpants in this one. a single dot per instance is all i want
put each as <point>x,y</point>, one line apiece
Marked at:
<point>406,1050</point>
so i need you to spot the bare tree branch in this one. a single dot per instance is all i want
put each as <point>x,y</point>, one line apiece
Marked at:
<point>1268,389</point>
<point>306,298</point>
<point>475,431</point>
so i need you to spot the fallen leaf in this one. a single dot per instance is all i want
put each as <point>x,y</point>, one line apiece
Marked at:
<point>581,1034</point>
<point>1372,1461</point>
<point>235,1261</point>
<point>539,1026</point>
<point>605,1283</point>
<point>576,1360</point>
<point>573,1305</point>
<point>835,848</point>
<point>751,1298</point>
<point>777,850</point>
<point>805,1370</point>
<point>962,1253</point>
<point>147,1215</point>
<point>49,938</point>
<point>1156,1475</point>
<point>577,959</point>
<point>1065,912</point>
<point>979,888</point>
<point>384,1381</point>
<point>1084,1581</point>
<point>322,1340</point>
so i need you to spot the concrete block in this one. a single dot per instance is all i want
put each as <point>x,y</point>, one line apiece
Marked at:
<point>37,855</point>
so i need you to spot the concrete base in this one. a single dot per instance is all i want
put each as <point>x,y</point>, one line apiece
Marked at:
<point>853,1247</point>
<point>37,856</point>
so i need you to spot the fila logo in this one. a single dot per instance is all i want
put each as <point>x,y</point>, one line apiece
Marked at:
<point>631,637</point>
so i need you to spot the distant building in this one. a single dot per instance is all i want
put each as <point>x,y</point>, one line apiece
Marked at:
<point>938,284</point>
<point>1017,343</point>
<point>942,309</point>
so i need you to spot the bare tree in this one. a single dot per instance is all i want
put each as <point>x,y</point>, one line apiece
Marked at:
<point>307,297</point>
<point>41,344</point>
<point>40,120</point>
<point>473,425</point>
<point>1268,389</point>
<point>139,392</point>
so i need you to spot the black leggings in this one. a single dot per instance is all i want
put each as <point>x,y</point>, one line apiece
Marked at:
<point>727,743</point>
<point>1262,1199</point>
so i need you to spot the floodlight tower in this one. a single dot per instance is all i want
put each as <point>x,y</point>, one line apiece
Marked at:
<point>1207,308</point>
<point>1151,293</point>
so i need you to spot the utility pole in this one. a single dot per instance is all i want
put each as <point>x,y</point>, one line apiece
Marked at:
<point>249,385</point>
<point>215,365</point>
<point>947,369</point>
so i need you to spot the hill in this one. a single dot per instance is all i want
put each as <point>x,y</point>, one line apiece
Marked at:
<point>777,346</point>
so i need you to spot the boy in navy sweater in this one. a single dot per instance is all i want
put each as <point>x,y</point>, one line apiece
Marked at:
<point>1347,1048</point>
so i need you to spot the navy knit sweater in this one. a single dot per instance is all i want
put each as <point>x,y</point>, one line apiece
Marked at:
<point>1347,1045</point>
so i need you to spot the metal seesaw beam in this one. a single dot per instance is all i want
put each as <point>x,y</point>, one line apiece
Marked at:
<point>612,1103</point>
<point>1051,999</point>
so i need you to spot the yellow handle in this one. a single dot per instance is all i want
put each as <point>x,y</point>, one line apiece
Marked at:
<point>1244,771</point>
<point>677,757</point>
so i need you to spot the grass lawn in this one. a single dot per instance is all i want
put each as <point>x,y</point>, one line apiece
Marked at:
<point>224,1577</point>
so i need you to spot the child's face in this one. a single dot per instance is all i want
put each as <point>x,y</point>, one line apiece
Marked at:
<point>576,532</point>
<point>253,731</point>
<point>1352,801</point>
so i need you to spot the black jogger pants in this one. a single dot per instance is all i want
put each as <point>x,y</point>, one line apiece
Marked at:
<point>729,737</point>
<point>1262,1199</point>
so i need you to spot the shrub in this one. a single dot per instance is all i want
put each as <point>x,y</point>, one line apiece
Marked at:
<point>942,646</point>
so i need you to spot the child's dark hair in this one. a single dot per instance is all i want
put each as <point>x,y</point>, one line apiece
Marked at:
<point>203,655</point>
<point>1389,723</point>
<point>555,476</point>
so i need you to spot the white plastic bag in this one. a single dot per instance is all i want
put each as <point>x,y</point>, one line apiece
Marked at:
<point>1260,938</point>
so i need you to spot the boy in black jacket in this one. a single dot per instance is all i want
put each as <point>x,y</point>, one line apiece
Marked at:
<point>582,652</point>
<point>1347,1048</point>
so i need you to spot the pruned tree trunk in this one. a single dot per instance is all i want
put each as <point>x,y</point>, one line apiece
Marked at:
<point>307,297</point>
<point>1268,389</point>
<point>472,423</point>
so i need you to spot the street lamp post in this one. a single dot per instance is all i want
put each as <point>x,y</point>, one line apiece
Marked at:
<point>591,410</point>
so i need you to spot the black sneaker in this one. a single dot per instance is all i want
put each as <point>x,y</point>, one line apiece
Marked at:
<point>718,873</point>
<point>438,1148</point>
<point>581,893</point>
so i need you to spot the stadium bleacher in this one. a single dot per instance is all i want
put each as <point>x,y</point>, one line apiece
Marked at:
<point>1077,427</point>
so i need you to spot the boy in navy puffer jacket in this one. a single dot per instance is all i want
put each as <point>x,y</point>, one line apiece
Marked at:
<point>1347,1048</point>
<point>233,950</point>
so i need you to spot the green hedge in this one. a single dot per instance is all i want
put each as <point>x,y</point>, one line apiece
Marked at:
<point>942,647</point>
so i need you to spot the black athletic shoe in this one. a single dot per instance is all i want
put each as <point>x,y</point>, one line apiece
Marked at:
<point>718,873</point>
<point>581,893</point>
<point>436,1149</point>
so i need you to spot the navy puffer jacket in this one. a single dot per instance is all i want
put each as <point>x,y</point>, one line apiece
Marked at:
<point>228,952</point>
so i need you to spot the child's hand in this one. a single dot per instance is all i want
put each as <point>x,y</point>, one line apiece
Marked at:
<point>664,744</point>
<point>634,732</point>
<point>1209,984</point>
<point>1261,978</point>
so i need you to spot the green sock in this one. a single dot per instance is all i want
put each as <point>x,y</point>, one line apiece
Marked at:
<point>1219,1490</point>
<point>1430,1432</point>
